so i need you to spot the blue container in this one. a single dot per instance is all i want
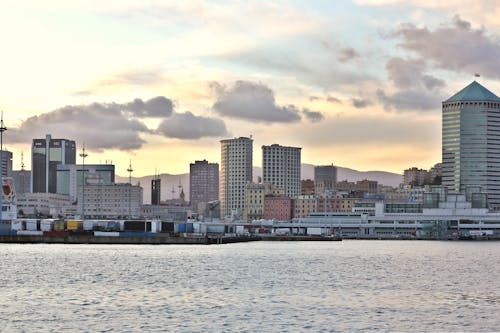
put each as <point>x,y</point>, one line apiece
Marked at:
<point>189,228</point>
<point>8,232</point>
<point>182,228</point>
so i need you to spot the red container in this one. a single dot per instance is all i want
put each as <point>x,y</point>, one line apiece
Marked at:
<point>56,233</point>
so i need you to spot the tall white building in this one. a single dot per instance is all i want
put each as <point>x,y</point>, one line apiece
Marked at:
<point>471,142</point>
<point>236,171</point>
<point>281,167</point>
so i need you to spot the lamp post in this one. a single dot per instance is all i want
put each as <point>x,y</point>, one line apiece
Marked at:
<point>83,155</point>
<point>2,129</point>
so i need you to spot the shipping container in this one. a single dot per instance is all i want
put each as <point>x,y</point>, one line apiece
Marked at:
<point>60,225</point>
<point>89,225</point>
<point>240,230</point>
<point>189,228</point>
<point>155,226</point>
<point>167,227</point>
<point>137,226</point>
<point>32,225</point>
<point>18,224</point>
<point>30,233</point>
<point>106,234</point>
<point>8,232</point>
<point>47,225</point>
<point>181,228</point>
<point>74,224</point>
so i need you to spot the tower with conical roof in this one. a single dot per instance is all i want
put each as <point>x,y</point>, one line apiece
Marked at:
<point>471,142</point>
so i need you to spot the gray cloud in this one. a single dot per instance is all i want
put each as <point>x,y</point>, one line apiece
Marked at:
<point>332,99</point>
<point>252,101</point>
<point>415,90</point>
<point>99,126</point>
<point>347,54</point>
<point>313,116</point>
<point>360,103</point>
<point>189,126</point>
<point>455,46</point>
<point>155,107</point>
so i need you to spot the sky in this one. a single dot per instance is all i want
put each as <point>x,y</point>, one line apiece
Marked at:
<point>159,83</point>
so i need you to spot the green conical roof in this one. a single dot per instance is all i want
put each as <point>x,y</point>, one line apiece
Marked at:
<point>473,92</point>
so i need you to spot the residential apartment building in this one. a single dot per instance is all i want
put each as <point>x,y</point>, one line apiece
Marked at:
<point>203,183</point>
<point>278,207</point>
<point>325,178</point>
<point>235,172</point>
<point>281,167</point>
<point>255,194</point>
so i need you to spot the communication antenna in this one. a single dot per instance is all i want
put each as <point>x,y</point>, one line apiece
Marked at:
<point>83,155</point>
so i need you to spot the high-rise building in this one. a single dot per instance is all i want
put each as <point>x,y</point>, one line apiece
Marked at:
<point>155,191</point>
<point>235,172</point>
<point>46,155</point>
<point>22,181</point>
<point>416,177</point>
<point>6,157</point>
<point>281,167</point>
<point>471,142</point>
<point>203,183</point>
<point>325,178</point>
<point>72,176</point>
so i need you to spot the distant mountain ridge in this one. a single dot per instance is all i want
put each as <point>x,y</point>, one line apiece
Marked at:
<point>170,183</point>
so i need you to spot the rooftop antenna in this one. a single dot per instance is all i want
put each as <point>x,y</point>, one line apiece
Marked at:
<point>83,155</point>
<point>130,170</point>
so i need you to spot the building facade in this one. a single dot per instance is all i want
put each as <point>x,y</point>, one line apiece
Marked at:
<point>22,180</point>
<point>42,204</point>
<point>203,183</point>
<point>471,142</point>
<point>416,177</point>
<point>155,191</point>
<point>325,178</point>
<point>72,176</point>
<point>235,172</point>
<point>46,155</point>
<point>281,167</point>
<point>6,157</point>
<point>110,200</point>
<point>278,207</point>
<point>307,187</point>
<point>255,194</point>
<point>304,205</point>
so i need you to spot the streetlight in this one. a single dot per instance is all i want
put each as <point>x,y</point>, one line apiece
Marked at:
<point>83,155</point>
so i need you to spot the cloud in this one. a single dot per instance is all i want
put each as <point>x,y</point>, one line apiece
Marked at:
<point>99,126</point>
<point>189,126</point>
<point>140,77</point>
<point>347,54</point>
<point>360,103</point>
<point>155,107</point>
<point>415,90</point>
<point>456,47</point>
<point>332,99</point>
<point>252,101</point>
<point>313,116</point>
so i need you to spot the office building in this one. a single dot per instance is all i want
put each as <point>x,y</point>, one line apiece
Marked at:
<point>155,191</point>
<point>111,200</point>
<point>71,176</point>
<point>236,171</point>
<point>6,157</point>
<point>471,142</point>
<point>22,180</point>
<point>46,155</point>
<point>281,167</point>
<point>325,178</point>
<point>203,183</point>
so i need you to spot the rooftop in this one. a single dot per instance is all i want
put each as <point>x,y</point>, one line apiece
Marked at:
<point>473,92</point>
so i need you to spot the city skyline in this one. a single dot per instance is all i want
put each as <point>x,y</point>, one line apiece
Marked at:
<point>358,84</point>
